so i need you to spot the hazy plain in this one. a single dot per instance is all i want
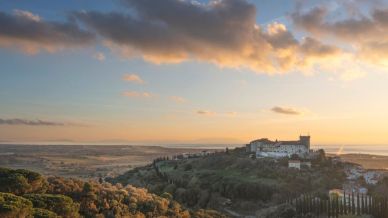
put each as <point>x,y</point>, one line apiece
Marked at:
<point>82,161</point>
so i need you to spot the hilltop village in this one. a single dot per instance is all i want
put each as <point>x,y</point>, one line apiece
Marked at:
<point>264,173</point>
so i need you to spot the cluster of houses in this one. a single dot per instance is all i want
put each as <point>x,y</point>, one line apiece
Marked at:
<point>355,175</point>
<point>371,177</point>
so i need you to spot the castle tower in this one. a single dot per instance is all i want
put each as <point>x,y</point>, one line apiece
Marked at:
<point>305,140</point>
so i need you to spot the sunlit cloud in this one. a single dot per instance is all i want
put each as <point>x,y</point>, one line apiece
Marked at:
<point>222,32</point>
<point>363,32</point>
<point>27,15</point>
<point>134,78</point>
<point>217,114</point>
<point>134,94</point>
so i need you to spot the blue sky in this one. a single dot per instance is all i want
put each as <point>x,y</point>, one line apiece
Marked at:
<point>195,98</point>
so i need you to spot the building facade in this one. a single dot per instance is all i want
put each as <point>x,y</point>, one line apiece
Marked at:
<point>267,148</point>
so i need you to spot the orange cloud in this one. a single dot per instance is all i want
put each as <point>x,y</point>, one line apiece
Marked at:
<point>221,32</point>
<point>134,94</point>
<point>363,33</point>
<point>133,78</point>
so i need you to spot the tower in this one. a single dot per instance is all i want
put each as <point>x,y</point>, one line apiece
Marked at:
<point>305,140</point>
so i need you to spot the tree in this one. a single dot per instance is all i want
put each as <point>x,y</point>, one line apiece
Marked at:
<point>21,181</point>
<point>60,204</point>
<point>14,206</point>
<point>43,213</point>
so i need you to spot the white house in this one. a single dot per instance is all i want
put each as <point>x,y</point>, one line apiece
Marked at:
<point>294,164</point>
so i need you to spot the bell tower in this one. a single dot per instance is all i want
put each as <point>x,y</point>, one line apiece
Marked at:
<point>305,140</point>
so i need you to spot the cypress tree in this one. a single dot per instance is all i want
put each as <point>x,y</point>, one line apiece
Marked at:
<point>362,204</point>
<point>353,205</point>
<point>349,205</point>
<point>344,203</point>
<point>358,204</point>
<point>319,206</point>
<point>325,206</point>
<point>335,207</point>
<point>329,207</point>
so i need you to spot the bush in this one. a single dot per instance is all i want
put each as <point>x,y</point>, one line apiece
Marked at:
<point>21,181</point>
<point>43,213</point>
<point>14,206</point>
<point>60,204</point>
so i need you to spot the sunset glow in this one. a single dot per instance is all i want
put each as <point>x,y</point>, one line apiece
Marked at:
<point>225,71</point>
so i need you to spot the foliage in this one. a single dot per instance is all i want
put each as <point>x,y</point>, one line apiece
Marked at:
<point>21,181</point>
<point>60,204</point>
<point>43,213</point>
<point>14,206</point>
<point>75,198</point>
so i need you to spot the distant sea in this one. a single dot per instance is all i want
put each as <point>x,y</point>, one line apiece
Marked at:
<point>333,149</point>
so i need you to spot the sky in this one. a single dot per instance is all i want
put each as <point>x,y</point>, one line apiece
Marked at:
<point>179,71</point>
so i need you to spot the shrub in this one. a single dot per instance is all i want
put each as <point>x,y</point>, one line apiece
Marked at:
<point>60,204</point>
<point>21,181</point>
<point>14,206</point>
<point>43,213</point>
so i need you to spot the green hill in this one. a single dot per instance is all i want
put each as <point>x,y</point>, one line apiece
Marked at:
<point>233,182</point>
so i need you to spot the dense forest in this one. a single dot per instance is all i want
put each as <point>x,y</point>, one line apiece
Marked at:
<point>28,194</point>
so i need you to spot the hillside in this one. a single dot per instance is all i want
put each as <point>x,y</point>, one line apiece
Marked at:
<point>232,182</point>
<point>28,194</point>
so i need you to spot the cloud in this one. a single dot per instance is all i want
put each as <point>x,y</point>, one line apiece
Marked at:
<point>99,56</point>
<point>26,14</point>
<point>133,78</point>
<point>286,110</point>
<point>206,113</point>
<point>34,122</point>
<point>134,94</point>
<point>28,32</point>
<point>364,32</point>
<point>178,99</point>
<point>223,32</point>
<point>218,114</point>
